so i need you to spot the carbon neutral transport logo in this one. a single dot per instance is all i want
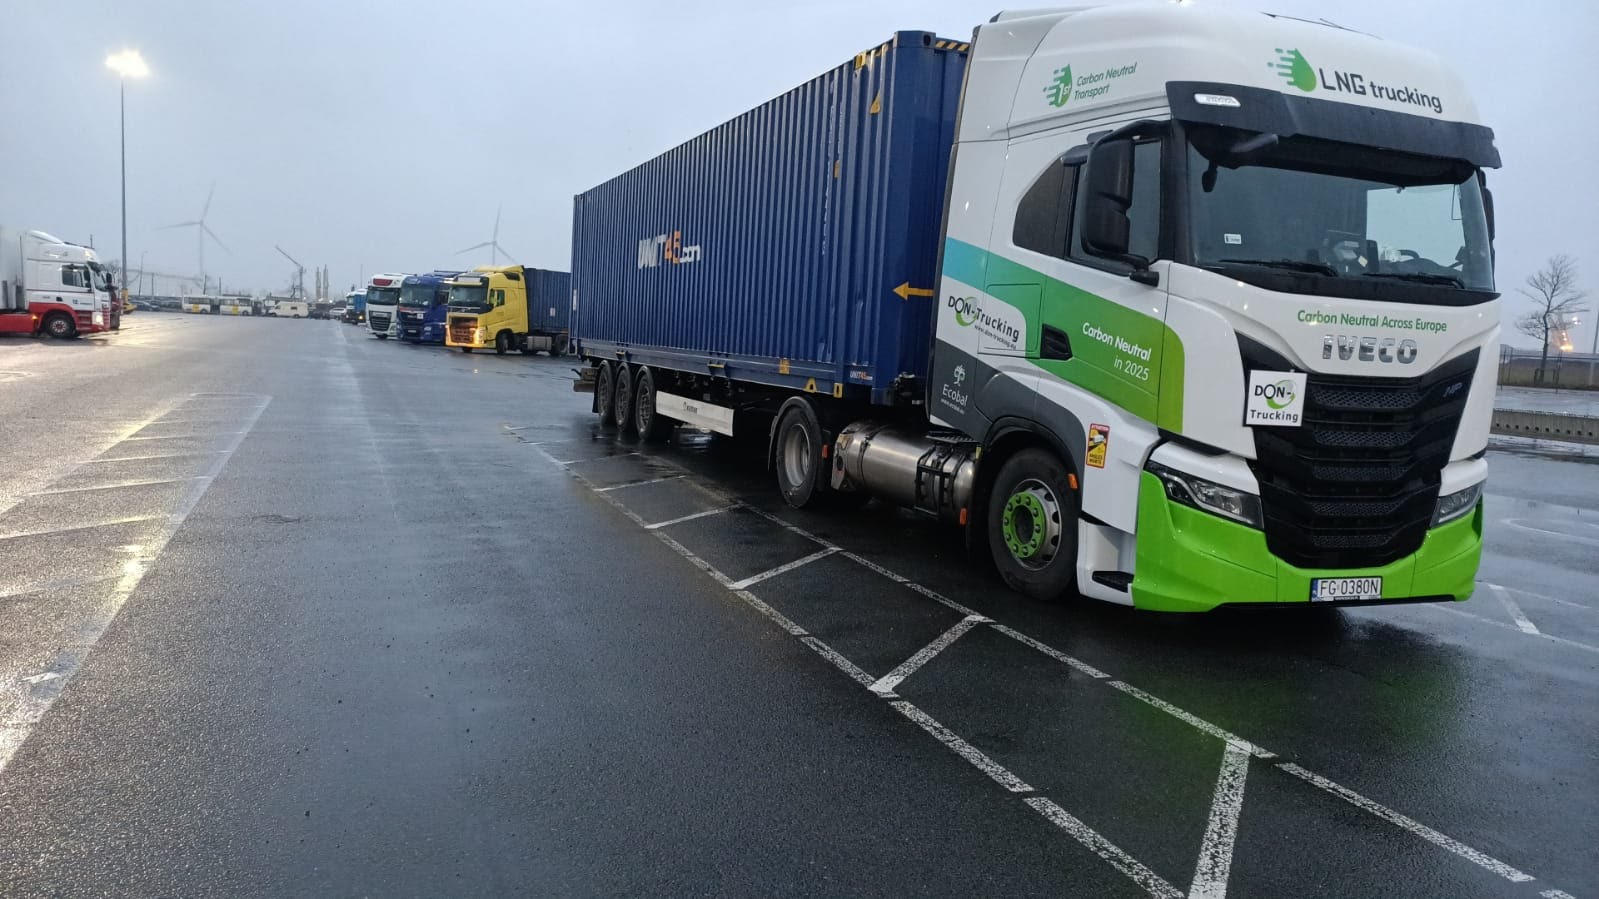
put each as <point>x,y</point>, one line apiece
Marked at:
<point>1063,86</point>
<point>1294,68</point>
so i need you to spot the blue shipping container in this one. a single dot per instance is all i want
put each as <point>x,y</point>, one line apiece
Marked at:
<point>798,241</point>
<point>549,301</point>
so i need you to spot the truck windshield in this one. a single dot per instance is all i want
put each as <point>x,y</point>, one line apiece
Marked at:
<point>470,297</point>
<point>417,296</point>
<point>1349,217</point>
<point>382,296</point>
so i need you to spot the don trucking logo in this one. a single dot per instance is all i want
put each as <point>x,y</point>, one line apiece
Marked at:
<point>668,248</point>
<point>1294,68</point>
<point>969,314</point>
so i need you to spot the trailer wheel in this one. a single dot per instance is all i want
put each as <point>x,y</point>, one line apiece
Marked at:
<point>60,326</point>
<point>605,394</point>
<point>797,455</point>
<point>557,347</point>
<point>502,343</point>
<point>625,397</point>
<point>1032,525</point>
<point>652,427</point>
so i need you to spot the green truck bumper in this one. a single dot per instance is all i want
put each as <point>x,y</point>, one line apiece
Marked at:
<point>1192,561</point>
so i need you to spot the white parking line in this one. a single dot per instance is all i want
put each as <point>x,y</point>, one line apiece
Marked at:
<point>670,477</point>
<point>682,518</point>
<point>1153,883</point>
<point>965,750</point>
<point>907,583</point>
<point>1556,894</point>
<point>1547,598</point>
<point>156,456</point>
<point>569,462</point>
<point>1404,823</point>
<point>33,700</point>
<point>59,584</point>
<point>117,486</point>
<point>1446,607</point>
<point>782,620</point>
<point>184,436</point>
<point>1527,627</point>
<point>1216,851</point>
<point>132,519</point>
<point>754,579</point>
<point>1193,721</point>
<point>843,664</point>
<point>1053,653</point>
<point>885,685</point>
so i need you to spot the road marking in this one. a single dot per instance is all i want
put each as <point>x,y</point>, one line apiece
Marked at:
<point>843,664</point>
<point>1216,851</point>
<point>1053,653</point>
<point>1527,627</point>
<point>183,436</point>
<point>571,462</point>
<point>781,619</point>
<point>1446,607</point>
<point>754,579</point>
<point>155,456</point>
<point>1547,598</point>
<point>682,518</point>
<point>1152,883</point>
<point>885,685</point>
<point>34,700</point>
<point>1518,524</point>
<point>1194,721</point>
<point>1556,894</point>
<point>117,486</point>
<point>61,584</point>
<point>909,584</point>
<point>672,477</point>
<point>132,519</point>
<point>965,750</point>
<point>1404,823</point>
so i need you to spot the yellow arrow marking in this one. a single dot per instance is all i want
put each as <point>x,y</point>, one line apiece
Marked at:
<point>906,291</point>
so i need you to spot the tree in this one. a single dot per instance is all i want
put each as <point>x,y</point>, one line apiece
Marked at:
<point>1556,302</point>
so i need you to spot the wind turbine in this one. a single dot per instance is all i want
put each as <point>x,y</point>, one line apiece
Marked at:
<point>297,292</point>
<point>492,243</point>
<point>201,231</point>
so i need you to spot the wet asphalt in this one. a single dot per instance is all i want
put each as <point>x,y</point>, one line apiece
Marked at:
<point>288,610</point>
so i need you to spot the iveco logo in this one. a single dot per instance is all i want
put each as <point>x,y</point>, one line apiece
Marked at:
<point>1370,349</point>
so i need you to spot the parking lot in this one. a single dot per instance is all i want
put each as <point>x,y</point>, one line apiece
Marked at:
<point>287,608</point>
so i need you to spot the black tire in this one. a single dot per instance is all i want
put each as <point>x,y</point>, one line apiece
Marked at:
<point>605,394</point>
<point>802,475</point>
<point>383,337</point>
<point>652,427</point>
<point>1032,525</point>
<point>502,343</point>
<point>465,349</point>
<point>625,395</point>
<point>557,347</point>
<point>60,326</point>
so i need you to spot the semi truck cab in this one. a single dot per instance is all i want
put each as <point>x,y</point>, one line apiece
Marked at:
<point>424,303</point>
<point>382,304</point>
<point>510,307</point>
<point>1234,272</point>
<point>50,286</point>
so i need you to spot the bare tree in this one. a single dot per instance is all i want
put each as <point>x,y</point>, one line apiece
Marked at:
<point>1556,302</point>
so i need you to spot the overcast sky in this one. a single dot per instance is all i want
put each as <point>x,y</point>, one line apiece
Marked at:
<point>373,136</point>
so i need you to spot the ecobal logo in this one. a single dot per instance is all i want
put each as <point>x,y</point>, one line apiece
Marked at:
<point>1275,398</point>
<point>668,248</point>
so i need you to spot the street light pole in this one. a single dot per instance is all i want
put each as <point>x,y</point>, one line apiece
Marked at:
<point>122,123</point>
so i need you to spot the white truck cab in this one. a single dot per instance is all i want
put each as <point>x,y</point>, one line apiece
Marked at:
<point>50,286</point>
<point>383,303</point>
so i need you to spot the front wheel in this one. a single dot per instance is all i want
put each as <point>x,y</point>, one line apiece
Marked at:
<point>465,349</point>
<point>1032,525</point>
<point>502,343</point>
<point>383,337</point>
<point>61,326</point>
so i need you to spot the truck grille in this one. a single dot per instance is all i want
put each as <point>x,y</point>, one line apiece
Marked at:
<point>378,320</point>
<point>461,329</point>
<point>1355,486</point>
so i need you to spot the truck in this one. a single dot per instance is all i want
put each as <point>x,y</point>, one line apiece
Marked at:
<point>292,309</point>
<point>382,304</point>
<point>354,307</point>
<point>510,307</point>
<point>1169,306</point>
<point>50,286</point>
<point>424,303</point>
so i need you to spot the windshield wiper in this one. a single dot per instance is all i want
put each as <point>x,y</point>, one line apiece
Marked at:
<point>1420,278</point>
<point>1293,265</point>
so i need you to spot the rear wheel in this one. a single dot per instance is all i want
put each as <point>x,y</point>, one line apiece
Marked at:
<point>797,455</point>
<point>605,394</point>
<point>651,425</point>
<point>625,404</point>
<point>1032,525</point>
<point>60,326</point>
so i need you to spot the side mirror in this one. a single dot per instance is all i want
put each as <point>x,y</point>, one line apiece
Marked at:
<point>1106,230</point>
<point>1488,211</point>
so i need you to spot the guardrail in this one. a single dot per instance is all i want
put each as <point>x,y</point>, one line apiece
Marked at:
<point>1547,425</point>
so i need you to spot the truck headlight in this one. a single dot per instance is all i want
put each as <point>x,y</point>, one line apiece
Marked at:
<point>479,334</point>
<point>1457,504</point>
<point>1208,496</point>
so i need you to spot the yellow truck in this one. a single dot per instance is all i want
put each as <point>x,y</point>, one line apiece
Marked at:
<point>509,307</point>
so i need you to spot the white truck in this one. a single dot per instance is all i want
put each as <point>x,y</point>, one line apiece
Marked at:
<point>383,305</point>
<point>1196,308</point>
<point>50,286</point>
<point>292,309</point>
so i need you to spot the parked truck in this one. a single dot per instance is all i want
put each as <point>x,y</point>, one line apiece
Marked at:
<point>510,307</point>
<point>50,286</point>
<point>424,304</point>
<point>354,307</point>
<point>1168,306</point>
<point>382,304</point>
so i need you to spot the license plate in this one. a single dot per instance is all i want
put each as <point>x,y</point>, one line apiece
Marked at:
<point>1329,589</point>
